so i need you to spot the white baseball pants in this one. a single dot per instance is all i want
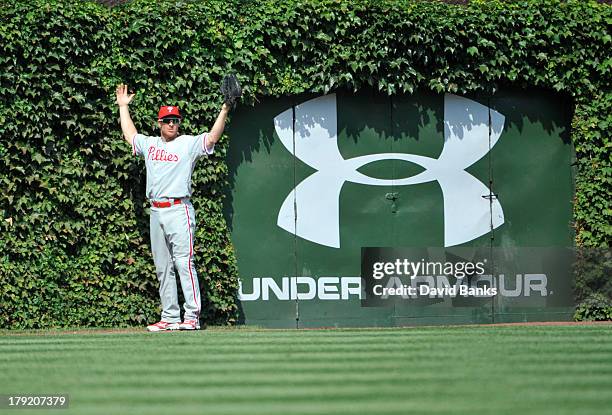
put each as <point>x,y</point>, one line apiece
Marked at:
<point>172,239</point>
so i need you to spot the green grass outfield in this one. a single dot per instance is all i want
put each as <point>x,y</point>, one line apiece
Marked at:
<point>433,370</point>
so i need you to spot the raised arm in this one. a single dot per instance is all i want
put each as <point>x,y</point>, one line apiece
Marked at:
<point>217,129</point>
<point>123,101</point>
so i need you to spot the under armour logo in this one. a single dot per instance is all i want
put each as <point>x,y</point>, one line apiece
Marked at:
<point>169,109</point>
<point>468,214</point>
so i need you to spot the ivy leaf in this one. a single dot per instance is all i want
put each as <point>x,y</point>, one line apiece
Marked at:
<point>38,158</point>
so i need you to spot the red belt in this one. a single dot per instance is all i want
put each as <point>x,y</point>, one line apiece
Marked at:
<point>166,204</point>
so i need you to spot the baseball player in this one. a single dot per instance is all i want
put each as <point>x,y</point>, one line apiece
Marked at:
<point>170,159</point>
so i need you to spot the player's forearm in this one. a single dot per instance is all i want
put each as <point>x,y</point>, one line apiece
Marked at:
<point>127,126</point>
<point>215,133</point>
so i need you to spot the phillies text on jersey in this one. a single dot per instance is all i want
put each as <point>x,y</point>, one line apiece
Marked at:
<point>170,164</point>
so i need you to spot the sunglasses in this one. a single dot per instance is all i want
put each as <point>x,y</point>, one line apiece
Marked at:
<point>175,121</point>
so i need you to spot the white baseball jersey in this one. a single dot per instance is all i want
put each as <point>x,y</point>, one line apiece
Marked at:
<point>170,164</point>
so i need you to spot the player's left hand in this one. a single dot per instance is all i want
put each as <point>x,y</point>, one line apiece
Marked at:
<point>231,90</point>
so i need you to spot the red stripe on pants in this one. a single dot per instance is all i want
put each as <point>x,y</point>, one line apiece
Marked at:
<point>190,258</point>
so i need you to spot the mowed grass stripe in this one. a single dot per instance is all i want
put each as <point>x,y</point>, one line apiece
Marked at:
<point>314,400</point>
<point>395,406</point>
<point>162,340</point>
<point>303,345</point>
<point>305,368</point>
<point>263,338</point>
<point>344,392</point>
<point>274,352</point>
<point>584,352</point>
<point>390,345</point>
<point>330,335</point>
<point>222,375</point>
<point>432,370</point>
<point>227,372</point>
<point>307,362</point>
<point>217,385</point>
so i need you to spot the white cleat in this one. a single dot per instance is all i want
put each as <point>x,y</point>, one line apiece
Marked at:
<point>163,326</point>
<point>189,325</point>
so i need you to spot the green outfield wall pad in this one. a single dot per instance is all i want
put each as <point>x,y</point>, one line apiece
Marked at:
<point>360,209</point>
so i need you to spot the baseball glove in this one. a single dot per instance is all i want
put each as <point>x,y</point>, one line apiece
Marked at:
<point>231,90</point>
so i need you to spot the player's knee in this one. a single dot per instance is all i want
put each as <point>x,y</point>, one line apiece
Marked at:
<point>164,271</point>
<point>183,261</point>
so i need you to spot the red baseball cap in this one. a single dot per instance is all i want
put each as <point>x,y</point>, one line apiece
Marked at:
<point>168,110</point>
